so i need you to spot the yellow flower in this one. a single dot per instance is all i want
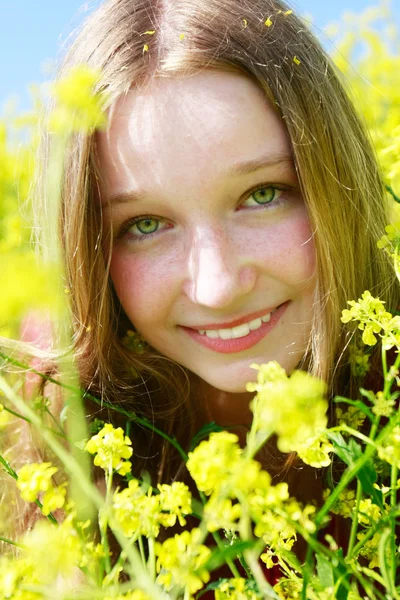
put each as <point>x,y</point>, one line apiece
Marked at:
<point>54,498</point>
<point>352,417</point>
<point>268,22</point>
<point>344,504</point>
<point>35,478</point>
<point>372,316</point>
<point>296,60</point>
<point>236,588</point>
<point>292,407</point>
<point>219,454</point>
<point>368,513</point>
<point>390,450</point>
<point>176,501</point>
<point>383,407</point>
<point>78,107</point>
<point>222,513</point>
<point>137,511</point>
<point>111,448</point>
<point>53,550</point>
<point>315,451</point>
<point>288,589</point>
<point>181,562</point>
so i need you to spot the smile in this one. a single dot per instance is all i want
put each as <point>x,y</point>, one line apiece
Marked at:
<point>228,340</point>
<point>239,331</point>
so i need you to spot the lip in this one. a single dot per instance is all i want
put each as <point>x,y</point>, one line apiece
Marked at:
<point>235,322</point>
<point>238,344</point>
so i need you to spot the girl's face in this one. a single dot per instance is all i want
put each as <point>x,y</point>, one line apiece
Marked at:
<point>213,258</point>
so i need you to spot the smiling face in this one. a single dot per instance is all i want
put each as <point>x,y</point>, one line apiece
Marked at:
<point>213,258</point>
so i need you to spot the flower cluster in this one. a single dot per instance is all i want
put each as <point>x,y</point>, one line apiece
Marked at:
<point>35,479</point>
<point>111,448</point>
<point>142,512</point>
<point>181,561</point>
<point>295,409</point>
<point>373,319</point>
<point>78,107</point>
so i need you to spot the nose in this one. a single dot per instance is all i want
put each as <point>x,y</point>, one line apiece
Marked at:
<point>218,272</point>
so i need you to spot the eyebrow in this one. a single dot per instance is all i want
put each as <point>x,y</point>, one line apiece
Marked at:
<point>237,168</point>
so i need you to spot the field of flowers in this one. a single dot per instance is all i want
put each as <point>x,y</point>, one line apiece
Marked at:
<point>242,523</point>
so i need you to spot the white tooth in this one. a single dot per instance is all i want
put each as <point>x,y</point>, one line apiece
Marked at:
<point>212,333</point>
<point>240,330</point>
<point>202,331</point>
<point>225,334</point>
<point>255,324</point>
<point>266,318</point>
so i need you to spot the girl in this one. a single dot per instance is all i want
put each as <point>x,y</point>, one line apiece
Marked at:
<point>224,218</point>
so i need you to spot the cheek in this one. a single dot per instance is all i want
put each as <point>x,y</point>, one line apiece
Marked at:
<point>142,285</point>
<point>287,250</point>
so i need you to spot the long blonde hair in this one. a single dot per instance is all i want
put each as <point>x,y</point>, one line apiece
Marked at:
<point>336,166</point>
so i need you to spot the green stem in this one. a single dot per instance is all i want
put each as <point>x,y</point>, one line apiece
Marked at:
<point>104,520</point>
<point>392,193</point>
<point>103,403</point>
<point>134,568</point>
<point>7,541</point>
<point>141,548</point>
<point>393,504</point>
<point>152,558</point>
<point>19,416</point>
<point>354,524</point>
<point>220,545</point>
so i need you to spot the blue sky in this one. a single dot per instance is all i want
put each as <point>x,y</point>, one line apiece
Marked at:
<point>32,33</point>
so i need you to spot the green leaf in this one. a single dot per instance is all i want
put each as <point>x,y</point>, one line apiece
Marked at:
<point>221,555</point>
<point>8,468</point>
<point>325,571</point>
<point>384,545</point>
<point>358,404</point>
<point>350,452</point>
<point>203,433</point>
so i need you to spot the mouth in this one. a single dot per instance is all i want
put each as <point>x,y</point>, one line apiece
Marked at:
<point>239,337</point>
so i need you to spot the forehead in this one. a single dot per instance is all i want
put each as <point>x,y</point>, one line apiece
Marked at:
<point>186,126</point>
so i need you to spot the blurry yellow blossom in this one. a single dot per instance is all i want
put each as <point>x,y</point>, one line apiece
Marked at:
<point>53,499</point>
<point>222,513</point>
<point>236,588</point>
<point>219,454</point>
<point>268,22</point>
<point>288,589</point>
<point>292,407</point>
<point>181,562</point>
<point>370,548</point>
<point>390,449</point>
<point>14,574</point>
<point>383,407</point>
<point>135,595</point>
<point>352,417</point>
<point>315,451</point>
<point>175,502</point>
<point>368,512</point>
<point>34,478</point>
<point>111,448</point>
<point>296,60</point>
<point>140,512</point>
<point>370,42</point>
<point>59,548</point>
<point>78,107</point>
<point>344,504</point>
<point>359,360</point>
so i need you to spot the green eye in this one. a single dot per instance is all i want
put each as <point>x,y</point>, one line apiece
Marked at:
<point>264,195</point>
<point>146,226</point>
